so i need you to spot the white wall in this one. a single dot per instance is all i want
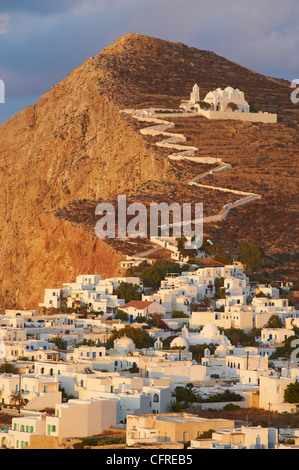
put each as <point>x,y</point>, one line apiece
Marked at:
<point>82,418</point>
<point>240,116</point>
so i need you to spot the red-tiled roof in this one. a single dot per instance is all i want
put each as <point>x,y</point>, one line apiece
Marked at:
<point>139,304</point>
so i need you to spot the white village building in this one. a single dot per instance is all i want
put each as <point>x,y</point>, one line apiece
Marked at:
<point>245,437</point>
<point>89,290</point>
<point>272,336</point>
<point>142,308</point>
<point>77,418</point>
<point>272,394</point>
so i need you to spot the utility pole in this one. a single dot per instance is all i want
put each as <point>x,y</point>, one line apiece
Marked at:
<point>58,348</point>
<point>20,375</point>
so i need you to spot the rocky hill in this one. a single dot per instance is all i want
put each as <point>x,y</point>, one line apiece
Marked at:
<point>74,147</point>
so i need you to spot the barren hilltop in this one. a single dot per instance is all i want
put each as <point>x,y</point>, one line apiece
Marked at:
<point>74,147</point>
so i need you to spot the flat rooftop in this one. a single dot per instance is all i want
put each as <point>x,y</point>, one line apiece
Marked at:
<point>181,418</point>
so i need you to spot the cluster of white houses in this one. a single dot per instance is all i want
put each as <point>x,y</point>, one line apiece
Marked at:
<point>90,290</point>
<point>91,388</point>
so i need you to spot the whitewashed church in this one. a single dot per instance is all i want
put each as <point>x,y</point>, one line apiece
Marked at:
<point>229,103</point>
<point>217,100</point>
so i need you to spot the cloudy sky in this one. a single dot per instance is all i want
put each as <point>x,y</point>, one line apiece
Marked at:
<point>41,41</point>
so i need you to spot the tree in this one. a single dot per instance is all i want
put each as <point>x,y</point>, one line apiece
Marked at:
<point>59,342</point>
<point>137,270</point>
<point>219,282</point>
<point>198,350</point>
<point>121,315</point>
<point>139,320</point>
<point>128,291</point>
<point>140,337</point>
<point>285,350</point>
<point>86,342</point>
<point>14,398</point>
<point>252,255</point>
<point>219,288</point>
<point>7,368</point>
<point>291,393</point>
<point>184,394</point>
<point>154,274</point>
<point>180,242</point>
<point>238,336</point>
<point>218,252</point>
<point>232,106</point>
<point>221,294</point>
<point>167,341</point>
<point>174,407</point>
<point>151,277</point>
<point>274,322</point>
<point>204,105</point>
<point>255,108</point>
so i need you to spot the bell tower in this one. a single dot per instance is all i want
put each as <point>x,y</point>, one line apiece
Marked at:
<point>194,95</point>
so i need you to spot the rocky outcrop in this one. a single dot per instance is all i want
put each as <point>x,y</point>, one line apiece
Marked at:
<point>74,146</point>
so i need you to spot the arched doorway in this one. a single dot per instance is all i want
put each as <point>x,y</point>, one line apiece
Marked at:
<point>3,443</point>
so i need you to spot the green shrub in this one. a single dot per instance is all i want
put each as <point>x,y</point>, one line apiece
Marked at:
<point>98,441</point>
<point>179,314</point>
<point>231,406</point>
<point>227,395</point>
<point>206,434</point>
<point>121,315</point>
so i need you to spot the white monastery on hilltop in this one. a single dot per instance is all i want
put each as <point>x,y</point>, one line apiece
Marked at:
<point>229,103</point>
<point>220,100</point>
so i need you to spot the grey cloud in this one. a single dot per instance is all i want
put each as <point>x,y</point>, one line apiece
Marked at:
<point>47,39</point>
